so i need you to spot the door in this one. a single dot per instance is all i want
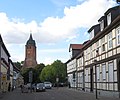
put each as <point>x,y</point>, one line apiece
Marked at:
<point>118,73</point>
<point>91,79</point>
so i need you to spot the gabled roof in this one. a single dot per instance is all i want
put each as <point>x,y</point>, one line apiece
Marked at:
<point>3,45</point>
<point>93,27</point>
<point>113,8</point>
<point>101,18</point>
<point>75,46</point>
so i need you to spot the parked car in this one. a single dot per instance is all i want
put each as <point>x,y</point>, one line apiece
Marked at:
<point>48,85</point>
<point>40,87</point>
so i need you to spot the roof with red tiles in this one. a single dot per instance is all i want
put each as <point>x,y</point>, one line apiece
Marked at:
<point>75,46</point>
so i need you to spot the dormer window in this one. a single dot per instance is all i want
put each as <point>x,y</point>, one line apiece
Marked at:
<point>70,52</point>
<point>109,19</point>
<point>92,34</point>
<point>102,25</point>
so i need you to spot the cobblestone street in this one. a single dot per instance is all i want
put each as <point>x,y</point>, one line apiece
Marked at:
<point>52,94</point>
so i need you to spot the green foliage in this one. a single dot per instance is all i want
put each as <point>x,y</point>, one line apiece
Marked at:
<point>36,71</point>
<point>46,73</point>
<point>51,72</point>
<point>25,74</point>
<point>17,64</point>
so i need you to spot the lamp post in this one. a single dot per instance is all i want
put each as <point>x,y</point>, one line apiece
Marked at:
<point>30,79</point>
<point>95,61</point>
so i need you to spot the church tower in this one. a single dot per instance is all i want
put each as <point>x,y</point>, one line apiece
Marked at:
<point>30,53</point>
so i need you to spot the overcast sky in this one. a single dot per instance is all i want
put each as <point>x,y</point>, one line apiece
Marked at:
<point>55,24</point>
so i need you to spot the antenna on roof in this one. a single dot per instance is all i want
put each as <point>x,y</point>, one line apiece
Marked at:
<point>30,31</point>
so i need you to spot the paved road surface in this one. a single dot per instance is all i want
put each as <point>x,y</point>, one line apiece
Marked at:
<point>52,94</point>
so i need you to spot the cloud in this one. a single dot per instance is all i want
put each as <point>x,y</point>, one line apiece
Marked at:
<point>53,50</point>
<point>54,29</point>
<point>50,60</point>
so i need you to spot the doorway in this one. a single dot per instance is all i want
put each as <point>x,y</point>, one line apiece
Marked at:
<point>118,73</point>
<point>91,79</point>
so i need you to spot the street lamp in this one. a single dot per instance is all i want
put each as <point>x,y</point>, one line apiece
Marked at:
<point>95,62</point>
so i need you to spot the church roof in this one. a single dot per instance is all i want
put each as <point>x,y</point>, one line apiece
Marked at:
<point>31,41</point>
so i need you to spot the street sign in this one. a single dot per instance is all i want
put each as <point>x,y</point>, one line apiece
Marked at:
<point>57,79</point>
<point>4,77</point>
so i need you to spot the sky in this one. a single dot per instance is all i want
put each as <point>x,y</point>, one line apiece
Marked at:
<point>54,24</point>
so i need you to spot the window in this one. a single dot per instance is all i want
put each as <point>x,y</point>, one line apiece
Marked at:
<point>118,35</point>
<point>103,44</point>
<point>91,55</point>
<point>103,47</point>
<point>70,52</point>
<point>86,55</point>
<point>97,48</point>
<point>103,71</point>
<point>110,72</point>
<point>109,19</point>
<point>86,77</point>
<point>102,25</point>
<point>98,73</point>
<point>92,34</point>
<point>110,40</point>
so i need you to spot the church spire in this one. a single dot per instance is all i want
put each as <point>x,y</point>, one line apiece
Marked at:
<point>31,41</point>
<point>30,53</point>
<point>30,37</point>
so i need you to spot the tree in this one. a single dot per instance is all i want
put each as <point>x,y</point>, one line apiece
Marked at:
<point>18,64</point>
<point>38,70</point>
<point>60,70</point>
<point>55,70</point>
<point>25,74</point>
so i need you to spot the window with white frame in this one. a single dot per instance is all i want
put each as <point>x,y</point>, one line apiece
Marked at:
<point>102,25</point>
<point>118,35</point>
<point>110,40</point>
<point>103,44</point>
<point>103,71</point>
<point>70,52</point>
<point>86,75</point>
<point>98,73</point>
<point>109,19</point>
<point>86,55</point>
<point>92,34</point>
<point>110,72</point>
<point>91,54</point>
<point>97,48</point>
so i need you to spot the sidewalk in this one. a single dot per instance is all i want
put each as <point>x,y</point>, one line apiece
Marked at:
<point>92,96</point>
<point>1,94</point>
